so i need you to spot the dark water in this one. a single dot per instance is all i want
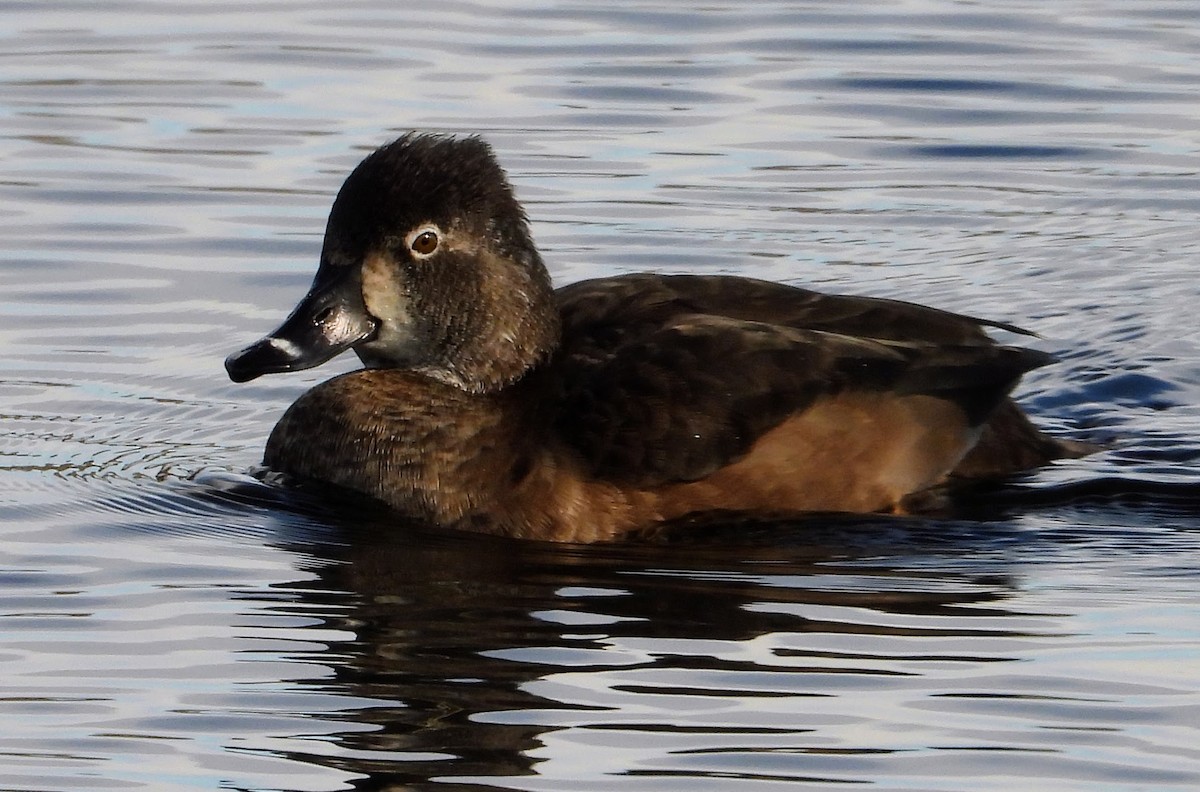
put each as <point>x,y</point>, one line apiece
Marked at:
<point>165,176</point>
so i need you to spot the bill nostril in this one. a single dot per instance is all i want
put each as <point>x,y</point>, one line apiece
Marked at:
<point>323,316</point>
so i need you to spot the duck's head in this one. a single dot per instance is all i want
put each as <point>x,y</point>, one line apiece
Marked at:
<point>428,265</point>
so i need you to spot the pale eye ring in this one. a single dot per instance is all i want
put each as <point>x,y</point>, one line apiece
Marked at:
<point>423,241</point>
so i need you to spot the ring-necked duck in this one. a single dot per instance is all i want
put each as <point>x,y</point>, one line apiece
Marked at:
<point>492,402</point>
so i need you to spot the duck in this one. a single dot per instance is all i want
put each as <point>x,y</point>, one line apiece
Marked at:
<point>491,401</point>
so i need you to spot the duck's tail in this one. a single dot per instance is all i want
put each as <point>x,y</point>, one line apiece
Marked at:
<point>1010,444</point>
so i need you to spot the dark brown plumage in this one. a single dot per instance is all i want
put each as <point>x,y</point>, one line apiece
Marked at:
<point>493,403</point>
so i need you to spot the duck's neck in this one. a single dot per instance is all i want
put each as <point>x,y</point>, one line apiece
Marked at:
<point>502,330</point>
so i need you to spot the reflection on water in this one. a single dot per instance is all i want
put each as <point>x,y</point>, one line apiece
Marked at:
<point>311,654</point>
<point>166,624</point>
<point>673,659</point>
<point>828,652</point>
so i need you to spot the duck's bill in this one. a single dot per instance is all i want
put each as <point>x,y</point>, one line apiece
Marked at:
<point>330,319</point>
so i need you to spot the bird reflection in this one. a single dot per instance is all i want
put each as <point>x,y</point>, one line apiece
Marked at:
<point>458,638</point>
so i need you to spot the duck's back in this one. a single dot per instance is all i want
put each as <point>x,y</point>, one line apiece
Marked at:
<point>672,376</point>
<point>597,311</point>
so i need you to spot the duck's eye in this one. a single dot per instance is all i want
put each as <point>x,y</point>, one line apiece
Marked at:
<point>424,243</point>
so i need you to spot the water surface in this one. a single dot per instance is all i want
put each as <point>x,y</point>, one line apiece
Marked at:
<point>166,173</point>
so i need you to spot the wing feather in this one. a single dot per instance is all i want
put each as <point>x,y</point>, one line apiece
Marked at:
<point>685,397</point>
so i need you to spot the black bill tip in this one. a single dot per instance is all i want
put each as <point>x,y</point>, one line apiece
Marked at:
<point>267,356</point>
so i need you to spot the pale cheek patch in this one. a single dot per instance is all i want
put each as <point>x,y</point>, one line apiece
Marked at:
<point>381,290</point>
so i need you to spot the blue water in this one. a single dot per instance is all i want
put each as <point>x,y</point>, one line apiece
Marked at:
<point>165,177</point>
